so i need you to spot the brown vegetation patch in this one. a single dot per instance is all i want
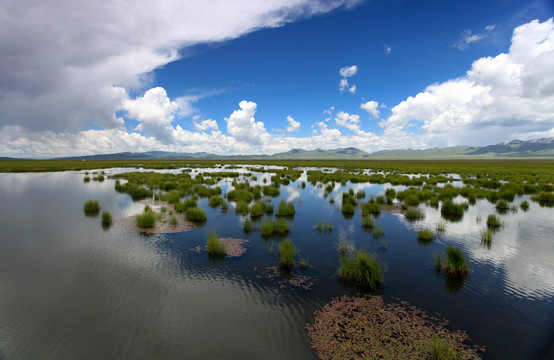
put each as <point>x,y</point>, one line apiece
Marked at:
<point>294,281</point>
<point>367,327</point>
<point>233,247</point>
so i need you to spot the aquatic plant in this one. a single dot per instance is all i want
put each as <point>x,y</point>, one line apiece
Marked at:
<point>241,207</point>
<point>91,207</point>
<point>285,209</point>
<point>524,205</point>
<point>271,191</point>
<point>378,232</point>
<point>543,197</point>
<point>323,226</point>
<point>343,247</point>
<point>440,227</point>
<point>493,221</point>
<point>286,252</point>
<point>361,268</point>
<point>414,214</point>
<point>455,263</point>
<point>86,179</point>
<point>368,222</point>
<point>449,208</point>
<point>247,225</point>
<point>195,215</point>
<point>146,220</point>
<point>368,327</point>
<point>257,209</point>
<point>443,349</point>
<point>270,227</point>
<point>348,208</point>
<point>438,261</point>
<point>486,238</point>
<point>216,247</point>
<point>215,200</point>
<point>106,218</point>
<point>425,235</point>
<point>173,221</point>
<point>370,208</point>
<point>502,205</point>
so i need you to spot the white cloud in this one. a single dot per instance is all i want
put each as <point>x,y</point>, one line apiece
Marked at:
<point>293,126</point>
<point>66,64</point>
<point>242,125</point>
<point>372,108</point>
<point>205,125</point>
<point>490,27</point>
<point>351,122</point>
<point>387,49</point>
<point>499,97</point>
<point>155,112</point>
<point>347,72</point>
<point>467,37</point>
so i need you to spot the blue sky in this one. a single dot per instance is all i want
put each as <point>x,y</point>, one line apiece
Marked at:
<point>265,77</point>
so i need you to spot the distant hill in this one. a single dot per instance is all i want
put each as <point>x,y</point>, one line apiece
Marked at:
<point>512,149</point>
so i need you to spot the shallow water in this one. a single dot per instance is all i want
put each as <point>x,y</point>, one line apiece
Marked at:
<point>69,289</point>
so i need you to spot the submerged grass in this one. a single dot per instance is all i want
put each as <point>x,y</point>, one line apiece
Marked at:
<point>323,226</point>
<point>361,268</point>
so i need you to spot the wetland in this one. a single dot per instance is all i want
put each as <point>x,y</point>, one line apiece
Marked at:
<point>114,259</point>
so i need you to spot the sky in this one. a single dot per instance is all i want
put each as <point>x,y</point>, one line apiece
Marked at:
<point>251,77</point>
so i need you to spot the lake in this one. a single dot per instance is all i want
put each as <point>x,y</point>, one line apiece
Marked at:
<point>70,289</point>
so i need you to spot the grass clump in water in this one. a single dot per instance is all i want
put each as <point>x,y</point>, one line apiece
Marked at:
<point>195,214</point>
<point>270,227</point>
<point>92,207</point>
<point>370,208</point>
<point>368,222</point>
<point>493,221</point>
<point>425,235</point>
<point>323,226</point>
<point>361,268</point>
<point>414,214</point>
<point>486,238</point>
<point>502,205</point>
<point>216,247</point>
<point>285,209</point>
<point>286,254</point>
<point>524,205</point>
<point>215,200</point>
<point>343,247</point>
<point>441,227</point>
<point>348,208</point>
<point>106,218</point>
<point>146,220</point>
<point>241,207</point>
<point>455,263</point>
<point>378,232</point>
<point>247,225</point>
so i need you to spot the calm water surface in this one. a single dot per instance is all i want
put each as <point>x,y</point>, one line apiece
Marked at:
<point>71,290</point>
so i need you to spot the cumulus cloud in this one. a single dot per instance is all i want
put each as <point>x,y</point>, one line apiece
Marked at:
<point>242,125</point>
<point>347,72</point>
<point>293,125</point>
<point>205,125</point>
<point>387,48</point>
<point>499,97</point>
<point>372,108</point>
<point>66,64</point>
<point>346,120</point>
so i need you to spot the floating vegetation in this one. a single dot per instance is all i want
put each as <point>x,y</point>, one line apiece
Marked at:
<point>91,207</point>
<point>368,327</point>
<point>361,268</point>
<point>425,235</point>
<point>323,226</point>
<point>286,252</point>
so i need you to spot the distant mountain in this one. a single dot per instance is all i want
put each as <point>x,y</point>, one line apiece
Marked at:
<point>510,149</point>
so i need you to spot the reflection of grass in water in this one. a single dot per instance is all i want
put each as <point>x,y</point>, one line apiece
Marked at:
<point>323,226</point>
<point>441,227</point>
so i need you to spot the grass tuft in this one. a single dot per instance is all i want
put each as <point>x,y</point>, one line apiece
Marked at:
<point>414,214</point>
<point>146,220</point>
<point>323,226</point>
<point>486,238</point>
<point>216,247</point>
<point>361,268</point>
<point>92,207</point>
<point>195,214</point>
<point>455,263</point>
<point>493,221</point>
<point>285,209</point>
<point>106,218</point>
<point>425,235</point>
<point>286,254</point>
